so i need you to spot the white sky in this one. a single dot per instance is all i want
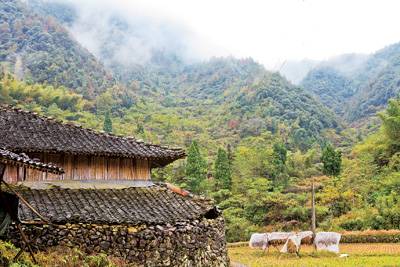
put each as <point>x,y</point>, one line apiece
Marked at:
<point>271,31</point>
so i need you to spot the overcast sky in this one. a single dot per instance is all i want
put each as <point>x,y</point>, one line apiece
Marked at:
<point>269,31</point>
<point>273,31</point>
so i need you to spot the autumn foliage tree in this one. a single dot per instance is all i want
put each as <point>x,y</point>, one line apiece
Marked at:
<point>232,124</point>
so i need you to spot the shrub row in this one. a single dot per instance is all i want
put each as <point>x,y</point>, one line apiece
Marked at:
<point>382,236</point>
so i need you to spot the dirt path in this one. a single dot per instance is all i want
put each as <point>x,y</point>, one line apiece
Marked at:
<point>238,264</point>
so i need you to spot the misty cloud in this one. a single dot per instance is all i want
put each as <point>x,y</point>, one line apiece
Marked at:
<point>346,64</point>
<point>295,70</point>
<point>128,34</point>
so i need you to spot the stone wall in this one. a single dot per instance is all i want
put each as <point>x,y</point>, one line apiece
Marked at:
<point>197,243</point>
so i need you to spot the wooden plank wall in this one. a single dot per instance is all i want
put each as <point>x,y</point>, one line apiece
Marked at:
<point>99,168</point>
<point>83,168</point>
<point>127,169</point>
<point>113,168</point>
<point>142,170</point>
<point>10,174</point>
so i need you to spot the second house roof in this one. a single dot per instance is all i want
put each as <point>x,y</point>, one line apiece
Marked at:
<point>26,131</point>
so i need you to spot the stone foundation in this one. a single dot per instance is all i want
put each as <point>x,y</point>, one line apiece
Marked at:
<point>195,243</point>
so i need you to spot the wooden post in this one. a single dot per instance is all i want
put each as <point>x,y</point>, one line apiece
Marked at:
<point>313,219</point>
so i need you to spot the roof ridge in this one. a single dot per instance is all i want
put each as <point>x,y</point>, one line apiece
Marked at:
<point>184,192</point>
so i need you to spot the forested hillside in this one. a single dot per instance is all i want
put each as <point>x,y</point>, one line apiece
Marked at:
<point>41,50</point>
<point>356,86</point>
<point>254,140</point>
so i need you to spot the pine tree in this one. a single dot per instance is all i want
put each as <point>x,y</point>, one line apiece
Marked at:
<point>222,173</point>
<point>279,154</point>
<point>196,169</point>
<point>332,161</point>
<point>231,156</point>
<point>107,127</point>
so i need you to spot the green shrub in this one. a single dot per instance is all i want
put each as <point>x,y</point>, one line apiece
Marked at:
<point>352,224</point>
<point>239,229</point>
<point>371,237</point>
<point>377,222</point>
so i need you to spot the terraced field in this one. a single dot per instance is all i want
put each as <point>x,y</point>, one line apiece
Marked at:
<point>360,255</point>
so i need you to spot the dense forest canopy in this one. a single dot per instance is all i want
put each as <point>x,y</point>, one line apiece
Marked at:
<point>357,86</point>
<point>41,50</point>
<point>254,139</point>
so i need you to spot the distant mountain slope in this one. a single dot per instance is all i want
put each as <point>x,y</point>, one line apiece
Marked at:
<point>382,86</point>
<point>42,50</point>
<point>63,12</point>
<point>254,98</point>
<point>355,86</point>
<point>218,98</point>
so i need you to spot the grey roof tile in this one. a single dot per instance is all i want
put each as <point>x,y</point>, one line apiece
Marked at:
<point>134,205</point>
<point>8,157</point>
<point>26,131</point>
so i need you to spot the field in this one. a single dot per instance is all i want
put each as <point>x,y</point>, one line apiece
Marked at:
<point>360,255</point>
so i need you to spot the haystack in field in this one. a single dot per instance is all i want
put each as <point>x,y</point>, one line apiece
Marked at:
<point>327,241</point>
<point>258,241</point>
<point>293,243</point>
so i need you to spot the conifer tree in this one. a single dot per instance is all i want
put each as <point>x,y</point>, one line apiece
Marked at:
<point>332,161</point>
<point>107,126</point>
<point>196,169</point>
<point>222,173</point>
<point>279,154</point>
<point>231,156</point>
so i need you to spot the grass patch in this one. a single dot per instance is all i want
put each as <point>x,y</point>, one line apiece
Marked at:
<point>57,257</point>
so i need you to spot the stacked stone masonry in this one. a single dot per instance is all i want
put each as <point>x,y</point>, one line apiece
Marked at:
<point>149,225</point>
<point>196,243</point>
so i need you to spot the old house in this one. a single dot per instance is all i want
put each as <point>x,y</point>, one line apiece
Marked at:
<point>105,200</point>
<point>83,153</point>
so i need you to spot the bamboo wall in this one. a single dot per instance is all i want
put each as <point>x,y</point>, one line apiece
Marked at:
<point>82,168</point>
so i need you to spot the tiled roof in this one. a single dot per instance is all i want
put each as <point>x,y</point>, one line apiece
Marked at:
<point>30,132</point>
<point>134,205</point>
<point>8,157</point>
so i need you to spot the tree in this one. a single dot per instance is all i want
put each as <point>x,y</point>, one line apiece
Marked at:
<point>231,156</point>
<point>279,155</point>
<point>222,173</point>
<point>140,130</point>
<point>107,127</point>
<point>391,120</point>
<point>232,124</point>
<point>127,100</point>
<point>332,161</point>
<point>104,101</point>
<point>196,169</point>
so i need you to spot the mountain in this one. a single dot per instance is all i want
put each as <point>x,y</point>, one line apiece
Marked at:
<point>356,86</point>
<point>163,98</point>
<point>252,97</point>
<point>41,50</point>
